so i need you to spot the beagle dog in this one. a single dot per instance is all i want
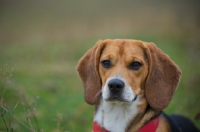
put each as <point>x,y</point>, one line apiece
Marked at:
<point>130,82</point>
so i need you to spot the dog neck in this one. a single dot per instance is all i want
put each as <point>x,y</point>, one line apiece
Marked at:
<point>117,117</point>
<point>150,126</point>
<point>121,117</point>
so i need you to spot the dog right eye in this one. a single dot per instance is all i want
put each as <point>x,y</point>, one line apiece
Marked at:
<point>135,65</point>
<point>106,64</point>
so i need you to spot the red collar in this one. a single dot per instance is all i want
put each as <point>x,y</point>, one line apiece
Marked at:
<point>98,128</point>
<point>150,126</point>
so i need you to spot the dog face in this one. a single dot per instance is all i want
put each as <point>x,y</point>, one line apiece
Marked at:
<point>121,69</point>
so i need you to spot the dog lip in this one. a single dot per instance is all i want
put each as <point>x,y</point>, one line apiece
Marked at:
<point>115,98</point>
<point>120,99</point>
<point>134,99</point>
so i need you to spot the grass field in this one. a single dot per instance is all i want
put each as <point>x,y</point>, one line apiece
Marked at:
<point>41,43</point>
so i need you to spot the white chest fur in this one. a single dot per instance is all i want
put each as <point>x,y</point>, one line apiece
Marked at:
<point>115,117</point>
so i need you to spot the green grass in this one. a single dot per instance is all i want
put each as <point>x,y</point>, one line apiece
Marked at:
<point>49,82</point>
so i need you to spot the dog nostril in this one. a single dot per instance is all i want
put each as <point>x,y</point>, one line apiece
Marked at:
<point>110,85</point>
<point>119,86</point>
<point>115,85</point>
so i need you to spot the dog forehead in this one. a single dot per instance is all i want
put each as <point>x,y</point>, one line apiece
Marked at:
<point>123,47</point>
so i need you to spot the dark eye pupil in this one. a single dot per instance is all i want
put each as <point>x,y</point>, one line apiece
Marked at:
<point>135,65</point>
<point>106,64</point>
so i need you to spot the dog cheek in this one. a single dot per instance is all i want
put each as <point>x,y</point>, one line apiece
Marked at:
<point>129,94</point>
<point>133,83</point>
<point>103,76</point>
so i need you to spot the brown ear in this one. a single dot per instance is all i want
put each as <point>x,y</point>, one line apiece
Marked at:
<point>88,71</point>
<point>162,79</point>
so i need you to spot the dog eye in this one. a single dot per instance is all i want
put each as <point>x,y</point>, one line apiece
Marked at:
<point>106,63</point>
<point>135,65</point>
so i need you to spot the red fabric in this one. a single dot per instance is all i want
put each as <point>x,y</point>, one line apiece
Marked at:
<point>150,126</point>
<point>98,128</point>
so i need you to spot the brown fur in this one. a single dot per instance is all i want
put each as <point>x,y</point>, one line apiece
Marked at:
<point>166,73</point>
<point>155,81</point>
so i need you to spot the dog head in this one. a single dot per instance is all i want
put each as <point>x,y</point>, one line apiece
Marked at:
<point>122,69</point>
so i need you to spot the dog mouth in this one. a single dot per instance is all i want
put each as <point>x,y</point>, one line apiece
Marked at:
<point>117,98</point>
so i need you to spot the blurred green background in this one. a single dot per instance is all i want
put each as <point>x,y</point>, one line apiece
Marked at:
<point>41,42</point>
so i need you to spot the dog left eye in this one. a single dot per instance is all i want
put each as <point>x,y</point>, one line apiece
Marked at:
<point>106,63</point>
<point>135,65</point>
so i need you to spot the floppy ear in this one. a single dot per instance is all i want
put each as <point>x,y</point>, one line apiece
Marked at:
<point>162,79</point>
<point>88,71</point>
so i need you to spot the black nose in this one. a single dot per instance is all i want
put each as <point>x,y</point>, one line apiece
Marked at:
<point>115,85</point>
